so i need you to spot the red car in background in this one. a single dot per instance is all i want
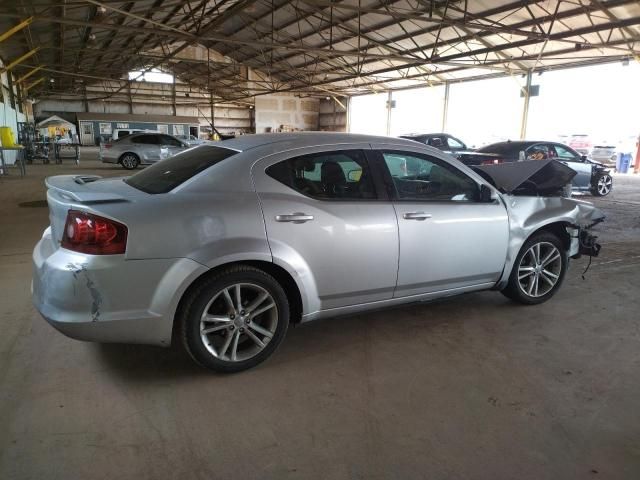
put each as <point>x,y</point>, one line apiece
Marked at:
<point>581,143</point>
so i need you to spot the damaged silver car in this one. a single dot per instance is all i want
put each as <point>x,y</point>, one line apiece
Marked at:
<point>224,246</point>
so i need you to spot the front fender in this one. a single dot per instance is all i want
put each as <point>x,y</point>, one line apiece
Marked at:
<point>527,215</point>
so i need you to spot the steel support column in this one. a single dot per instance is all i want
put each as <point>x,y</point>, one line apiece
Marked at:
<point>525,107</point>
<point>445,107</point>
<point>389,106</point>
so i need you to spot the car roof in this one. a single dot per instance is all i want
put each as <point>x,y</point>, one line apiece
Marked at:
<point>305,139</point>
<point>414,135</point>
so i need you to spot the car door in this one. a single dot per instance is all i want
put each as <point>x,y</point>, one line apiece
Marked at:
<point>575,161</point>
<point>169,146</point>
<point>147,147</point>
<point>324,217</point>
<point>449,239</point>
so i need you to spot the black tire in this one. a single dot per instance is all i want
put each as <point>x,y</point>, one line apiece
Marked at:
<point>602,185</point>
<point>211,290</point>
<point>515,289</point>
<point>129,161</point>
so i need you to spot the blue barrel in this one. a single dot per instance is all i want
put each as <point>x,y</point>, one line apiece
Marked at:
<point>625,161</point>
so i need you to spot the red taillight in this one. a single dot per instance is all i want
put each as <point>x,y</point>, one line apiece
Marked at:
<point>107,145</point>
<point>87,233</point>
<point>494,161</point>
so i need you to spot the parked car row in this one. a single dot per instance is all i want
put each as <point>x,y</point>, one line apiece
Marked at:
<point>591,176</point>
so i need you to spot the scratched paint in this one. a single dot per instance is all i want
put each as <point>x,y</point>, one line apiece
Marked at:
<point>78,270</point>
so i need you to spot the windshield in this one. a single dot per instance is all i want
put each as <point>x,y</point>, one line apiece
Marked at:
<point>166,175</point>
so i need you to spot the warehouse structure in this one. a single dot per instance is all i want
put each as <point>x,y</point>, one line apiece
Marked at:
<point>471,388</point>
<point>221,56</point>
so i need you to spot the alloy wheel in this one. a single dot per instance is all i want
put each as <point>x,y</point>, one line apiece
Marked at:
<point>539,269</point>
<point>238,322</point>
<point>604,185</point>
<point>129,162</point>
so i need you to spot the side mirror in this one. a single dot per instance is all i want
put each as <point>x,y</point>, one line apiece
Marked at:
<point>521,156</point>
<point>485,194</point>
<point>583,158</point>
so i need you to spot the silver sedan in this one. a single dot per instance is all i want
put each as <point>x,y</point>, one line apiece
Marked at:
<point>227,245</point>
<point>141,148</point>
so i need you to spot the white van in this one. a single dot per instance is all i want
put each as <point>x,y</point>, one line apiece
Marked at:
<point>119,133</point>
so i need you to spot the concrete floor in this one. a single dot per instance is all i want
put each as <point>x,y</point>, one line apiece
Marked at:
<point>469,388</point>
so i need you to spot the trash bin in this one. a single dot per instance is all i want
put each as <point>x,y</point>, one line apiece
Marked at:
<point>6,137</point>
<point>625,160</point>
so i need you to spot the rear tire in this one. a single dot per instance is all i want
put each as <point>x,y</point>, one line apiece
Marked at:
<point>602,185</point>
<point>129,161</point>
<point>235,319</point>
<point>538,271</point>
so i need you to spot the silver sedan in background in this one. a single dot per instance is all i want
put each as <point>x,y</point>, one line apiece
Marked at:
<point>141,148</point>
<point>253,234</point>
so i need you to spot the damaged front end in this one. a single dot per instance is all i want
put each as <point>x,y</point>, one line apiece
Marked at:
<point>533,193</point>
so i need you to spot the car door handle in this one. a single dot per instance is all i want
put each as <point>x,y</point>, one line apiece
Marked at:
<point>294,218</point>
<point>416,216</point>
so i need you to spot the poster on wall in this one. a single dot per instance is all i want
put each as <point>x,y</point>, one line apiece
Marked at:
<point>178,129</point>
<point>105,128</point>
<point>163,128</point>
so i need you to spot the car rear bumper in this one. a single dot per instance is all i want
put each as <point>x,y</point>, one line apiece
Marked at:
<point>106,298</point>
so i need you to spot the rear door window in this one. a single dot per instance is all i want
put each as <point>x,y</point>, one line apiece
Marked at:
<point>146,139</point>
<point>338,175</point>
<point>168,140</point>
<point>166,175</point>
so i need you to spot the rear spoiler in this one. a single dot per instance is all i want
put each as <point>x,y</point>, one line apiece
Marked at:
<point>76,188</point>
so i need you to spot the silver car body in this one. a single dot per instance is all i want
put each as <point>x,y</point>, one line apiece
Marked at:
<point>190,140</point>
<point>354,255</point>
<point>165,146</point>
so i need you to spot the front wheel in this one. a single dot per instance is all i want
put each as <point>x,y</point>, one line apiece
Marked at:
<point>538,271</point>
<point>235,320</point>
<point>602,185</point>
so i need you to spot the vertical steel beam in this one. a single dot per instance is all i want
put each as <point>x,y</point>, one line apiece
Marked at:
<point>525,107</point>
<point>445,107</point>
<point>389,100</point>
<point>130,97</point>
